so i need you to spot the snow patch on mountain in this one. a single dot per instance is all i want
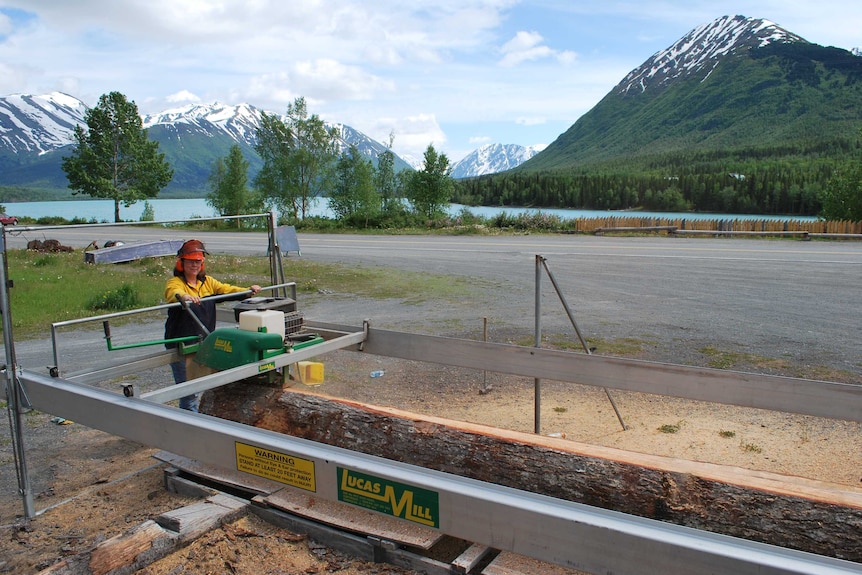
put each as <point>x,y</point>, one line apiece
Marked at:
<point>493,158</point>
<point>240,122</point>
<point>700,51</point>
<point>39,124</point>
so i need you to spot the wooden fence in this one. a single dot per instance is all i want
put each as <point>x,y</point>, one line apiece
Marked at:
<point>721,226</point>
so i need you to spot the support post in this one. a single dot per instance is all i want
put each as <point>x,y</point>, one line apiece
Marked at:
<point>537,382</point>
<point>14,390</point>
<point>580,337</point>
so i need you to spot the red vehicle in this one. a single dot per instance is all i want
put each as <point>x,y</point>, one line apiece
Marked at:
<point>8,220</point>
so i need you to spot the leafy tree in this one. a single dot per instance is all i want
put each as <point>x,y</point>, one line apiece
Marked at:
<point>229,193</point>
<point>842,198</point>
<point>354,196</point>
<point>299,155</point>
<point>114,159</point>
<point>384,177</point>
<point>149,213</point>
<point>430,188</point>
<point>274,180</point>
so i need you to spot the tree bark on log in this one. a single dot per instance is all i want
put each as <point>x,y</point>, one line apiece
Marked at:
<point>792,512</point>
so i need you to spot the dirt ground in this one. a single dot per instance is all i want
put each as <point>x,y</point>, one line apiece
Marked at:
<point>91,486</point>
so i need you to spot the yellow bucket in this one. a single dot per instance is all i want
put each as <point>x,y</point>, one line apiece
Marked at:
<point>309,372</point>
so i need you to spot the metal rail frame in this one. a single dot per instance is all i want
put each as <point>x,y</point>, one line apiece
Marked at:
<point>776,393</point>
<point>562,532</point>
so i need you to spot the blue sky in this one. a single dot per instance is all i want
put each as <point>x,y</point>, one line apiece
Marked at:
<point>455,73</point>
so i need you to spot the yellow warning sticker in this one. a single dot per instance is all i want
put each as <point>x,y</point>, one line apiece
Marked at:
<point>281,467</point>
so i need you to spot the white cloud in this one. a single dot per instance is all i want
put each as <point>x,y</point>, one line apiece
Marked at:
<point>528,46</point>
<point>412,133</point>
<point>269,91</point>
<point>479,140</point>
<point>523,47</point>
<point>183,96</point>
<point>328,79</point>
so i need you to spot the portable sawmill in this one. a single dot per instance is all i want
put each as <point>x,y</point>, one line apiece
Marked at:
<point>266,327</point>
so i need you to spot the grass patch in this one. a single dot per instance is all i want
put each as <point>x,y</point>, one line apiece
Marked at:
<point>720,359</point>
<point>631,347</point>
<point>123,298</point>
<point>750,448</point>
<point>377,283</point>
<point>727,434</point>
<point>669,427</point>
<point>560,410</point>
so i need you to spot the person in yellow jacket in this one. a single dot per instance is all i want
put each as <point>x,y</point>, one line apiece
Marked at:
<point>190,284</point>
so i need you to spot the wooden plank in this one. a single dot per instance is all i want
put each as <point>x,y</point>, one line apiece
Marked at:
<point>124,549</point>
<point>125,553</point>
<point>471,557</point>
<point>354,519</point>
<point>194,520</point>
<point>512,564</point>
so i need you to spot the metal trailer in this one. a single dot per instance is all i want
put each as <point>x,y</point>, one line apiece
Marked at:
<point>562,532</point>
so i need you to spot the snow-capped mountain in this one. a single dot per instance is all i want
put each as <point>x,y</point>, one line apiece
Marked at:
<point>34,128</point>
<point>493,158</point>
<point>700,51</point>
<point>38,124</point>
<point>239,122</point>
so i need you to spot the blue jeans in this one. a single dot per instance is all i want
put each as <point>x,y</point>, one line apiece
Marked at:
<point>189,402</point>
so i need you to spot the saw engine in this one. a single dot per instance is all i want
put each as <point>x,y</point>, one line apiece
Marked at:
<point>267,327</point>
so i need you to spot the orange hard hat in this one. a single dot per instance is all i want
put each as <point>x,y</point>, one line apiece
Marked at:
<point>192,250</point>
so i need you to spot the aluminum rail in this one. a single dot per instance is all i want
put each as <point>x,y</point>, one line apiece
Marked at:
<point>566,533</point>
<point>79,321</point>
<point>775,393</point>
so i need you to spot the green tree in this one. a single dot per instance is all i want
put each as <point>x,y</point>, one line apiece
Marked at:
<point>384,177</point>
<point>273,181</point>
<point>114,159</point>
<point>299,155</point>
<point>149,213</point>
<point>354,196</point>
<point>430,188</point>
<point>229,193</point>
<point>842,197</point>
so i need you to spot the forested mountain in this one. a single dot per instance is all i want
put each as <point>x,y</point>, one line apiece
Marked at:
<point>739,115</point>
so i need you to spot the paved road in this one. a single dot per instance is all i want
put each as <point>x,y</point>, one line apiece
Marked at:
<point>779,298</point>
